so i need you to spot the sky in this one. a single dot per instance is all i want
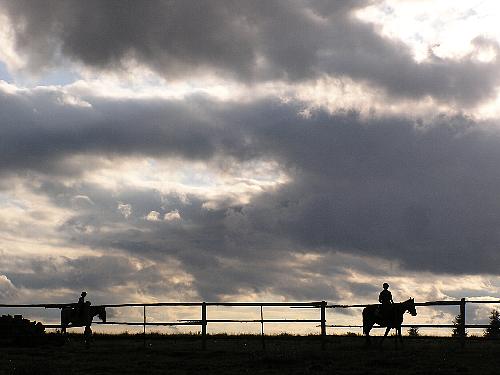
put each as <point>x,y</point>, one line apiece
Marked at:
<point>296,150</point>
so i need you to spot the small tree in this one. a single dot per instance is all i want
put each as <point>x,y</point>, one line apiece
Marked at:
<point>413,332</point>
<point>352,334</point>
<point>457,326</point>
<point>493,331</point>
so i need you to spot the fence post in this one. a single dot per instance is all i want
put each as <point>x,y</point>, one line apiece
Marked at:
<point>204,325</point>
<point>144,325</point>
<point>462,322</point>
<point>323,325</point>
<point>262,327</point>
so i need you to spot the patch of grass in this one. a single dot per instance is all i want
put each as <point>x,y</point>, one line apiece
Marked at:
<point>234,354</point>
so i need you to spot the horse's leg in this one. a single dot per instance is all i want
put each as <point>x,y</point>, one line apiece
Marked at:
<point>396,339</point>
<point>87,335</point>
<point>368,338</point>
<point>367,327</point>
<point>400,336</point>
<point>63,323</point>
<point>385,334</point>
<point>64,333</point>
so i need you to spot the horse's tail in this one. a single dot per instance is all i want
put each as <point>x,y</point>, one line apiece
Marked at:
<point>64,315</point>
<point>366,329</point>
<point>65,318</point>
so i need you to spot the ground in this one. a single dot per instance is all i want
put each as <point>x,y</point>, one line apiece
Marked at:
<point>244,354</point>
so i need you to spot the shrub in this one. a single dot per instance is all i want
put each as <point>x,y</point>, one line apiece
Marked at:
<point>456,326</point>
<point>493,331</point>
<point>413,332</point>
<point>352,334</point>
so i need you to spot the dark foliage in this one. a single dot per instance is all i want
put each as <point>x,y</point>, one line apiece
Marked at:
<point>457,329</point>
<point>413,332</point>
<point>493,331</point>
<point>14,330</point>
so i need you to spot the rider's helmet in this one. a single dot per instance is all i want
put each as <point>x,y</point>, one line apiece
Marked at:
<point>84,294</point>
<point>385,285</point>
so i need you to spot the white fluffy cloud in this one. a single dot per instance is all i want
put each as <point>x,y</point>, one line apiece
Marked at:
<point>172,216</point>
<point>153,216</point>
<point>125,209</point>
<point>7,289</point>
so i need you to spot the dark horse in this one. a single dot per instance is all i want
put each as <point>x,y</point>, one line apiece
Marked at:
<point>71,317</point>
<point>392,317</point>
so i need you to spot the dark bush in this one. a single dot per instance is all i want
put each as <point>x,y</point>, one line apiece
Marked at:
<point>493,331</point>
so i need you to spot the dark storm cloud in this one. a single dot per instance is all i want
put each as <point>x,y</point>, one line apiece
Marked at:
<point>38,130</point>
<point>423,194</point>
<point>100,274</point>
<point>247,41</point>
<point>221,257</point>
<point>80,273</point>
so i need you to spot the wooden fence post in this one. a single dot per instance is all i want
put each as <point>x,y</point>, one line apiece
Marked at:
<point>462,322</point>
<point>204,325</point>
<point>144,325</point>
<point>262,327</point>
<point>323,325</point>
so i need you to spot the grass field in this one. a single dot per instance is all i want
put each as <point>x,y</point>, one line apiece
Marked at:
<point>123,354</point>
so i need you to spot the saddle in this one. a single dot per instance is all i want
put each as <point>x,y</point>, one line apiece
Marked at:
<point>384,312</point>
<point>78,314</point>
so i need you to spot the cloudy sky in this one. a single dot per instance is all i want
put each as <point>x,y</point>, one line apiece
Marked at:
<point>249,150</point>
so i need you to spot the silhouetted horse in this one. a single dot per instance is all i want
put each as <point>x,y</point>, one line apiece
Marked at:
<point>71,317</point>
<point>392,318</point>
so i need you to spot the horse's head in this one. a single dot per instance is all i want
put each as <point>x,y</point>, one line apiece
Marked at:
<point>410,307</point>
<point>101,313</point>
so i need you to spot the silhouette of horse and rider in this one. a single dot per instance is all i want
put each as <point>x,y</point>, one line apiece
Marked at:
<point>81,314</point>
<point>387,314</point>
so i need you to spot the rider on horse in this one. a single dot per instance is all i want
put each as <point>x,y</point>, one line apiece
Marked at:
<point>80,307</point>
<point>385,298</point>
<point>81,314</point>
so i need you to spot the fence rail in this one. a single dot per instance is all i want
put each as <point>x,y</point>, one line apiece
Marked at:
<point>321,305</point>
